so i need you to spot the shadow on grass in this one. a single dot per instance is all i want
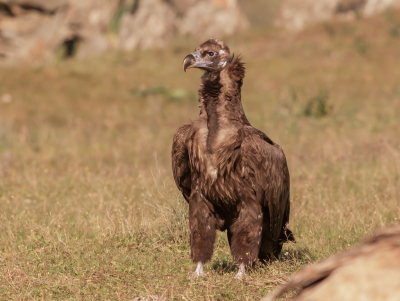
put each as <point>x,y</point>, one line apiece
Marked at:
<point>299,255</point>
<point>292,255</point>
<point>224,267</point>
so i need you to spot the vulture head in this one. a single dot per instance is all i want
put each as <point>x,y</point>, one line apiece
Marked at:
<point>210,56</point>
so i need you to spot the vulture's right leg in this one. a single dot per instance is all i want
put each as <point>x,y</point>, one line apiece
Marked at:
<point>245,235</point>
<point>202,232</point>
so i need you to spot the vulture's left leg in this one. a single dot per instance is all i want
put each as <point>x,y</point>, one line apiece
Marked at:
<point>272,242</point>
<point>245,235</point>
<point>202,231</point>
<point>269,249</point>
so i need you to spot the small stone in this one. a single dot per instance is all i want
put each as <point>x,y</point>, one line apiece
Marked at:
<point>6,98</point>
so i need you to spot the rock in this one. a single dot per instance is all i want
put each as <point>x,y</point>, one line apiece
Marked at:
<point>297,14</point>
<point>157,21</point>
<point>43,5</point>
<point>182,6</point>
<point>151,26</point>
<point>91,15</point>
<point>216,18</point>
<point>377,6</point>
<point>368,272</point>
<point>6,98</point>
<point>33,30</point>
<point>30,37</point>
<point>94,44</point>
<point>87,22</point>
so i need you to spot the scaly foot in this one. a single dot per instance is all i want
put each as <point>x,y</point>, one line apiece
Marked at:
<point>241,275</point>
<point>199,272</point>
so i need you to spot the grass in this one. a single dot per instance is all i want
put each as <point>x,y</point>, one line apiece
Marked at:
<point>89,210</point>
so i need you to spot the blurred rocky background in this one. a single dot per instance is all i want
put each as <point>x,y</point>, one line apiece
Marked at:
<point>295,14</point>
<point>34,31</point>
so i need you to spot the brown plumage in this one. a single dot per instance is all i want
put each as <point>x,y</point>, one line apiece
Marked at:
<point>232,175</point>
<point>369,272</point>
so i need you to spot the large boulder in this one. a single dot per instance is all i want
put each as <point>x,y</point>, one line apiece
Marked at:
<point>377,6</point>
<point>29,33</point>
<point>156,22</point>
<point>87,22</point>
<point>182,6</point>
<point>297,14</point>
<point>216,18</point>
<point>151,25</point>
<point>33,30</point>
<point>368,272</point>
<point>44,5</point>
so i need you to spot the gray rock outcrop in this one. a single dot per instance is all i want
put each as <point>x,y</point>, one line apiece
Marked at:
<point>295,14</point>
<point>31,31</point>
<point>156,22</point>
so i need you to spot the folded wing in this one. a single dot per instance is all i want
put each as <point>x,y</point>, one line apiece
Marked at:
<point>264,164</point>
<point>180,161</point>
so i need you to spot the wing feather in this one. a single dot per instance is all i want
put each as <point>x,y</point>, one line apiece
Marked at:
<point>265,163</point>
<point>180,161</point>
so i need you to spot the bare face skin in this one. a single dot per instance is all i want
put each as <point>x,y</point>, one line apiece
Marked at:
<point>209,56</point>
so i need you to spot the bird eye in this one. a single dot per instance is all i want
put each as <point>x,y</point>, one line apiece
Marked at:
<point>211,53</point>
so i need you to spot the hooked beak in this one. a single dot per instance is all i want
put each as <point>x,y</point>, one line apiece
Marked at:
<point>194,60</point>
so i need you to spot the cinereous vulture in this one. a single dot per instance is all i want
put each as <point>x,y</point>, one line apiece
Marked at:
<point>369,272</point>
<point>232,175</point>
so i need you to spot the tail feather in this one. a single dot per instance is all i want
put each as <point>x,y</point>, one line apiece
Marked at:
<point>286,236</point>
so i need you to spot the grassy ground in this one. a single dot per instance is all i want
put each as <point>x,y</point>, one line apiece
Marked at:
<point>89,210</point>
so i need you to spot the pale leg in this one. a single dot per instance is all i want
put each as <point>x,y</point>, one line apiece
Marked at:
<point>199,271</point>
<point>242,272</point>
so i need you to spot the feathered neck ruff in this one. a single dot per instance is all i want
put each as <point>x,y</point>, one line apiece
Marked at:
<point>220,92</point>
<point>228,80</point>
